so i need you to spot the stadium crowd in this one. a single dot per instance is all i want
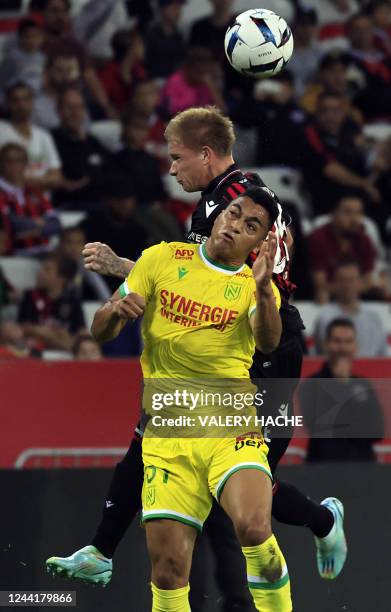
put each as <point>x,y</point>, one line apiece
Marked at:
<point>81,131</point>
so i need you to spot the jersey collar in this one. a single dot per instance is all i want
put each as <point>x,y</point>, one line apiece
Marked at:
<point>214,265</point>
<point>218,180</point>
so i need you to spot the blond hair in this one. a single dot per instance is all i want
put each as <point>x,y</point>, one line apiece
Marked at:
<point>202,127</point>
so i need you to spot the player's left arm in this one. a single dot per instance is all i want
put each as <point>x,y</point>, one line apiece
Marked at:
<point>265,321</point>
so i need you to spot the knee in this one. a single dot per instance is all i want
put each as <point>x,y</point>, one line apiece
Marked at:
<point>252,531</point>
<point>169,573</point>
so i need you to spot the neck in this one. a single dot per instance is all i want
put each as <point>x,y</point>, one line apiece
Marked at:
<point>55,292</point>
<point>24,126</point>
<point>350,306</point>
<point>220,166</point>
<point>214,255</point>
<point>168,27</point>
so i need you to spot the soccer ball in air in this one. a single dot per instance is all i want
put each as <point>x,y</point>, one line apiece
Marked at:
<point>259,44</point>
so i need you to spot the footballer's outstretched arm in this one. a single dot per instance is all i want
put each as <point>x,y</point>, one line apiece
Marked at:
<point>99,257</point>
<point>110,318</point>
<point>266,321</point>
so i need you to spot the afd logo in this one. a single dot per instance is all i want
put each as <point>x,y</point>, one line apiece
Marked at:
<point>184,254</point>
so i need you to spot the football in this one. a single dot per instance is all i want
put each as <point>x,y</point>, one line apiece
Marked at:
<point>259,44</point>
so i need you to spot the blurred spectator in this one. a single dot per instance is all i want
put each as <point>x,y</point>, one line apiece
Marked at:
<point>333,12</point>
<point>371,337</point>
<point>85,348</point>
<point>279,122</point>
<point>165,45</point>
<point>82,155</point>
<point>25,60</point>
<point>380,13</point>
<point>209,32</point>
<point>333,78</point>
<point>116,224</point>
<point>26,215</point>
<point>141,168</point>
<point>343,237</point>
<point>121,75</point>
<point>61,72</point>
<point>44,167</point>
<point>86,285</point>
<point>333,157</point>
<point>381,178</point>
<point>192,85</point>
<point>51,314</point>
<point>305,59</point>
<point>60,41</point>
<point>13,344</point>
<point>341,410</point>
<point>374,98</point>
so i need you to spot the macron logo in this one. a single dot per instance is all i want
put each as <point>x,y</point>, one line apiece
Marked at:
<point>209,208</point>
<point>109,504</point>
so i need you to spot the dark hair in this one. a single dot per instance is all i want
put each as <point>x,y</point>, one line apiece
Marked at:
<point>261,196</point>
<point>373,5</point>
<point>332,58</point>
<point>64,92</point>
<point>351,195</point>
<point>122,41</point>
<point>350,21</point>
<point>28,24</point>
<point>339,322</point>
<point>79,341</point>
<point>18,85</point>
<point>12,146</point>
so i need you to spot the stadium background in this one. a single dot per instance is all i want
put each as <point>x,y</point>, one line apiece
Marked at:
<point>54,405</point>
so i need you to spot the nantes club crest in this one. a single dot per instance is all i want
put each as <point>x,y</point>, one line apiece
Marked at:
<point>232,291</point>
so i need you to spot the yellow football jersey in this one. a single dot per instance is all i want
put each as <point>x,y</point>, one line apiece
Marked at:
<point>196,322</point>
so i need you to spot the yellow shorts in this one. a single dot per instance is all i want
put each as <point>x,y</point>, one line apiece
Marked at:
<point>182,475</point>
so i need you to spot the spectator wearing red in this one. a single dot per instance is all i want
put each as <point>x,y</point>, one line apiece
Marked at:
<point>192,85</point>
<point>13,343</point>
<point>26,215</point>
<point>51,314</point>
<point>333,157</point>
<point>122,74</point>
<point>343,237</point>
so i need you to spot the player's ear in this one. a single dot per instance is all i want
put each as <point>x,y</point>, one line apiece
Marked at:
<point>206,154</point>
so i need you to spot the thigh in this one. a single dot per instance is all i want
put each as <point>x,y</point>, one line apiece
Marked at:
<point>246,495</point>
<point>232,455</point>
<point>175,483</point>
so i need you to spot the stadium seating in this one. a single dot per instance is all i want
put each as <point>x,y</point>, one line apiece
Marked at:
<point>21,272</point>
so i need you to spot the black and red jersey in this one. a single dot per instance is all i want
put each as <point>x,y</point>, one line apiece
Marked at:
<point>218,194</point>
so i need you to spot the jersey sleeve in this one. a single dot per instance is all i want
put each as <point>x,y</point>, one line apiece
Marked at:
<point>141,279</point>
<point>253,304</point>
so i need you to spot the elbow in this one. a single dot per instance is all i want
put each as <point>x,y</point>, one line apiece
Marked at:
<point>269,345</point>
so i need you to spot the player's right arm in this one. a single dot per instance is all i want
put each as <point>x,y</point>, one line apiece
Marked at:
<point>110,318</point>
<point>99,257</point>
<point>129,301</point>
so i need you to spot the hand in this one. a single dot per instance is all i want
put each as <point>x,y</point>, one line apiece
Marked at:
<point>131,307</point>
<point>264,264</point>
<point>99,257</point>
<point>342,367</point>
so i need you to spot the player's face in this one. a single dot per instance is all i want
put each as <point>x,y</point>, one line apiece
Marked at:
<point>189,167</point>
<point>240,229</point>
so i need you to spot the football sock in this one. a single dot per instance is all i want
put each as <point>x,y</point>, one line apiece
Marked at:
<point>268,577</point>
<point>123,501</point>
<point>292,507</point>
<point>176,600</point>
